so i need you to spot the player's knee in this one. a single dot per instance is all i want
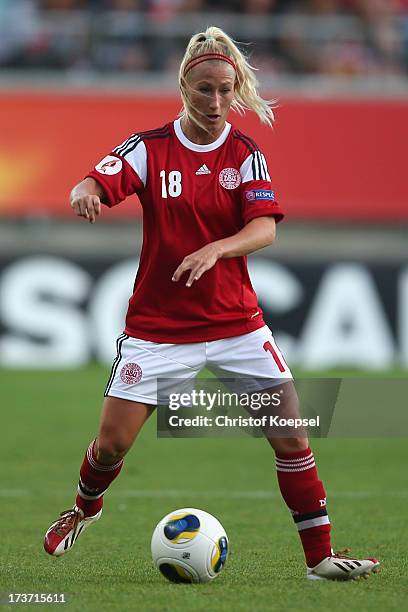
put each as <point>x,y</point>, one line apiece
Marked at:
<point>289,445</point>
<point>111,448</point>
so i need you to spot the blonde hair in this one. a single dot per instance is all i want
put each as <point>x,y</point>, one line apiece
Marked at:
<point>246,96</point>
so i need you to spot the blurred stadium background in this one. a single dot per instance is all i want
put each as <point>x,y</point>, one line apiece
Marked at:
<point>77,76</point>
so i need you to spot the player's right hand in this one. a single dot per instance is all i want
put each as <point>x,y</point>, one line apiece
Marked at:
<point>87,206</point>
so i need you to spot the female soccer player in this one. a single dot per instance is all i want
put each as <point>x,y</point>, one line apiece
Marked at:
<point>207,202</point>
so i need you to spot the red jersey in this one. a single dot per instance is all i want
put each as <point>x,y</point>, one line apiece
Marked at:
<point>191,195</point>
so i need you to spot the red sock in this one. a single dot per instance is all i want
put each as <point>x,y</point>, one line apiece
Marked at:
<point>305,497</point>
<point>94,479</point>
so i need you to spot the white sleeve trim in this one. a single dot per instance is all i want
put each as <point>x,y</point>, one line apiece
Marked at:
<point>133,149</point>
<point>254,168</point>
<point>137,158</point>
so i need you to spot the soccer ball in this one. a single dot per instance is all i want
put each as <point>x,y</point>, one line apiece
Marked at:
<point>189,545</point>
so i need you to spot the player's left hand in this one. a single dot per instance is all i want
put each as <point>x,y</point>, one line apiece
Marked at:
<point>198,262</point>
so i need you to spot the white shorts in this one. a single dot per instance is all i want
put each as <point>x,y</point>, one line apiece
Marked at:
<point>253,358</point>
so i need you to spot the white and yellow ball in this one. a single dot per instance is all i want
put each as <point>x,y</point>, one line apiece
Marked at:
<point>189,545</point>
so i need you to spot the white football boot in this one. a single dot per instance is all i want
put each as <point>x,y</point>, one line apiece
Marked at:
<point>64,532</point>
<point>342,567</point>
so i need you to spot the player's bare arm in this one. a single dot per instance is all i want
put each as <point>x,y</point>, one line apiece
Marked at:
<point>257,234</point>
<point>86,199</point>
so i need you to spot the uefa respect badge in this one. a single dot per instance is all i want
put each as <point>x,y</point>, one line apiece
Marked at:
<point>260,194</point>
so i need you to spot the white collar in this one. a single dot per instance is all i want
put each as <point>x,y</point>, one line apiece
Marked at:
<point>201,148</point>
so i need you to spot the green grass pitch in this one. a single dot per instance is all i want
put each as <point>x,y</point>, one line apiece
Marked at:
<point>47,420</point>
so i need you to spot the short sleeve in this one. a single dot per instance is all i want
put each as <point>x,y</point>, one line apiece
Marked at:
<point>123,172</point>
<point>257,196</point>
